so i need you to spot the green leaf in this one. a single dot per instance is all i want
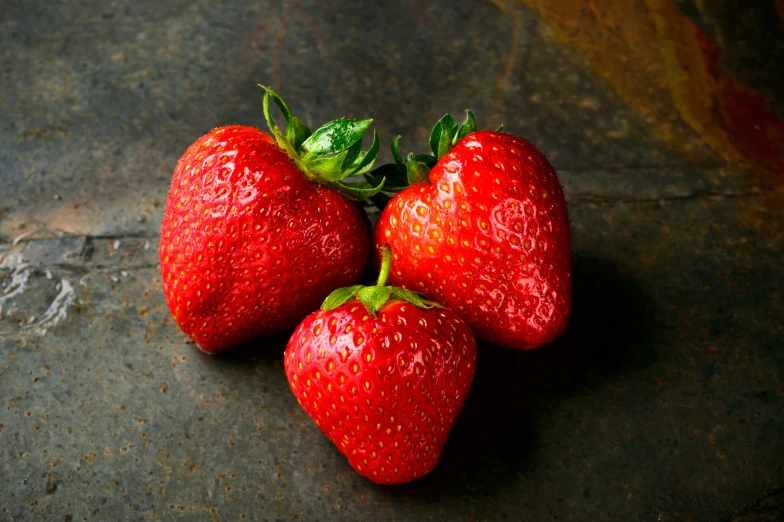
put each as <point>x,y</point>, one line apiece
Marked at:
<point>395,174</point>
<point>273,127</point>
<point>466,128</point>
<point>332,153</point>
<point>352,154</point>
<point>339,297</point>
<point>328,168</point>
<point>500,128</point>
<point>282,105</point>
<point>366,159</point>
<point>448,122</point>
<point>435,137</point>
<point>415,298</point>
<point>357,191</point>
<point>427,159</point>
<point>394,188</point>
<point>380,200</point>
<point>396,150</point>
<point>358,169</point>
<point>416,172</point>
<point>334,137</point>
<point>372,178</point>
<point>446,125</point>
<point>296,130</point>
<point>374,297</point>
<point>444,142</point>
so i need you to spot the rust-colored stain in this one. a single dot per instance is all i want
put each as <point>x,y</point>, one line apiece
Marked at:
<point>744,114</point>
<point>690,84</point>
<point>668,68</point>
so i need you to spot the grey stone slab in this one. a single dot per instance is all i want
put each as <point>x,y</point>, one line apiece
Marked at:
<point>664,396</point>
<point>124,252</point>
<point>66,250</point>
<point>99,101</point>
<point>552,98</point>
<point>651,184</point>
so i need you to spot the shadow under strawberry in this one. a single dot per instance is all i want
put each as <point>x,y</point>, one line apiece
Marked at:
<point>494,439</point>
<point>250,353</point>
<point>610,322</point>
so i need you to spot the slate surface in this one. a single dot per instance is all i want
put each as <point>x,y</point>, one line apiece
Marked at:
<point>662,402</point>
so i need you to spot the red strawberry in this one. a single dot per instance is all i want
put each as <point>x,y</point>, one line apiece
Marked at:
<point>256,235</point>
<point>485,232</point>
<point>383,373</point>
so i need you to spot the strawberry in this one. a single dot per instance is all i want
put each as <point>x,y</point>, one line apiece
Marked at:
<point>256,234</point>
<point>482,229</point>
<point>384,374</point>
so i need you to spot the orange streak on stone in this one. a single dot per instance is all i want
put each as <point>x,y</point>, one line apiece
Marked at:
<point>503,77</point>
<point>745,114</point>
<point>620,38</point>
<point>662,64</point>
<point>692,86</point>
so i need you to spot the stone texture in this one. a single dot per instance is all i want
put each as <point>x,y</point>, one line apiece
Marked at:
<point>663,400</point>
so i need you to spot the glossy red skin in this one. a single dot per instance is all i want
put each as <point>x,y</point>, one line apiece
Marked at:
<point>489,238</point>
<point>385,390</point>
<point>249,245</point>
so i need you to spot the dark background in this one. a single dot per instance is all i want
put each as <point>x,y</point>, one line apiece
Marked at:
<point>663,118</point>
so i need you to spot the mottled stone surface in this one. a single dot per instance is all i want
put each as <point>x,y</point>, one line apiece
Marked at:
<point>663,401</point>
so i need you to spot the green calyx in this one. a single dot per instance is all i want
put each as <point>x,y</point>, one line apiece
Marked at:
<point>331,153</point>
<point>416,168</point>
<point>374,297</point>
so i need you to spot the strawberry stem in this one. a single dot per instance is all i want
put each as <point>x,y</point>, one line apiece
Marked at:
<point>386,262</point>
<point>374,297</point>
